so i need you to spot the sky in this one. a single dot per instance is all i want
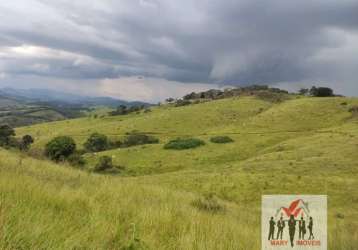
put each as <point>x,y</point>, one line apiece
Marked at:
<point>153,49</point>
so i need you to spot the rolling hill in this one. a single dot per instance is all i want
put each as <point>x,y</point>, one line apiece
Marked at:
<point>302,145</point>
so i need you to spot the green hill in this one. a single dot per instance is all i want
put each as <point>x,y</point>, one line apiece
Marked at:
<point>203,198</point>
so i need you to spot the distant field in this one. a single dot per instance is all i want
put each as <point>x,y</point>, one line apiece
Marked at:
<point>303,145</point>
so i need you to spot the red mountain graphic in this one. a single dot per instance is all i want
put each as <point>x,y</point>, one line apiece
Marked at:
<point>295,208</point>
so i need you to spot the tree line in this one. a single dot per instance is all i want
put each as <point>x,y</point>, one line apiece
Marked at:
<point>261,91</point>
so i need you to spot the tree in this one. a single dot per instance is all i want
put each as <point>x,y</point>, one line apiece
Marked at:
<point>96,143</point>
<point>6,133</point>
<point>321,92</point>
<point>26,141</point>
<point>134,109</point>
<point>324,92</point>
<point>60,148</point>
<point>191,96</point>
<point>313,91</point>
<point>169,100</point>
<point>122,110</point>
<point>304,91</point>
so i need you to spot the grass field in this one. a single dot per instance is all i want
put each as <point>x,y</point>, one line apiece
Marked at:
<point>303,145</point>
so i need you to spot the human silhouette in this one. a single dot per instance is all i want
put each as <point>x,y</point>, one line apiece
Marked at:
<point>272,229</point>
<point>292,228</point>
<point>302,228</point>
<point>310,227</point>
<point>280,226</point>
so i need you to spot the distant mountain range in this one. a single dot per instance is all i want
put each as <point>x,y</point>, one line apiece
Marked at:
<point>60,98</point>
<point>21,107</point>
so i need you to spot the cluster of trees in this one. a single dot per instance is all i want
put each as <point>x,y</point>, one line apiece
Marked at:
<point>317,92</point>
<point>213,94</point>
<point>210,94</point>
<point>99,142</point>
<point>261,91</point>
<point>124,110</point>
<point>8,139</point>
<point>231,92</point>
<point>64,148</point>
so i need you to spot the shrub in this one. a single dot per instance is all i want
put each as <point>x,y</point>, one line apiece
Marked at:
<point>353,109</point>
<point>221,139</point>
<point>181,102</point>
<point>60,148</point>
<point>340,216</point>
<point>26,141</point>
<point>6,133</point>
<point>96,143</point>
<point>13,142</point>
<point>76,159</point>
<point>104,163</point>
<point>180,144</point>
<point>208,203</point>
<point>139,139</point>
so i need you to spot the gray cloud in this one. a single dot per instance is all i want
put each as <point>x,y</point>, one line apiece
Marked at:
<point>234,42</point>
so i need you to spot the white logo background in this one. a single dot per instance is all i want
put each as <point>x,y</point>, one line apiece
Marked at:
<point>314,206</point>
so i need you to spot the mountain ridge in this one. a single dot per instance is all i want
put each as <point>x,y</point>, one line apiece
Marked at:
<point>52,96</point>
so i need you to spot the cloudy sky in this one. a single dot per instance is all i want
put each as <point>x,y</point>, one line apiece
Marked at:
<point>153,49</point>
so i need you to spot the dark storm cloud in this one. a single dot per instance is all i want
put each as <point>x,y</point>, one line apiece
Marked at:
<point>206,41</point>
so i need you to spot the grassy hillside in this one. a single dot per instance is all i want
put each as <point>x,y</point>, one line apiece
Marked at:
<point>61,208</point>
<point>302,145</point>
<point>255,125</point>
